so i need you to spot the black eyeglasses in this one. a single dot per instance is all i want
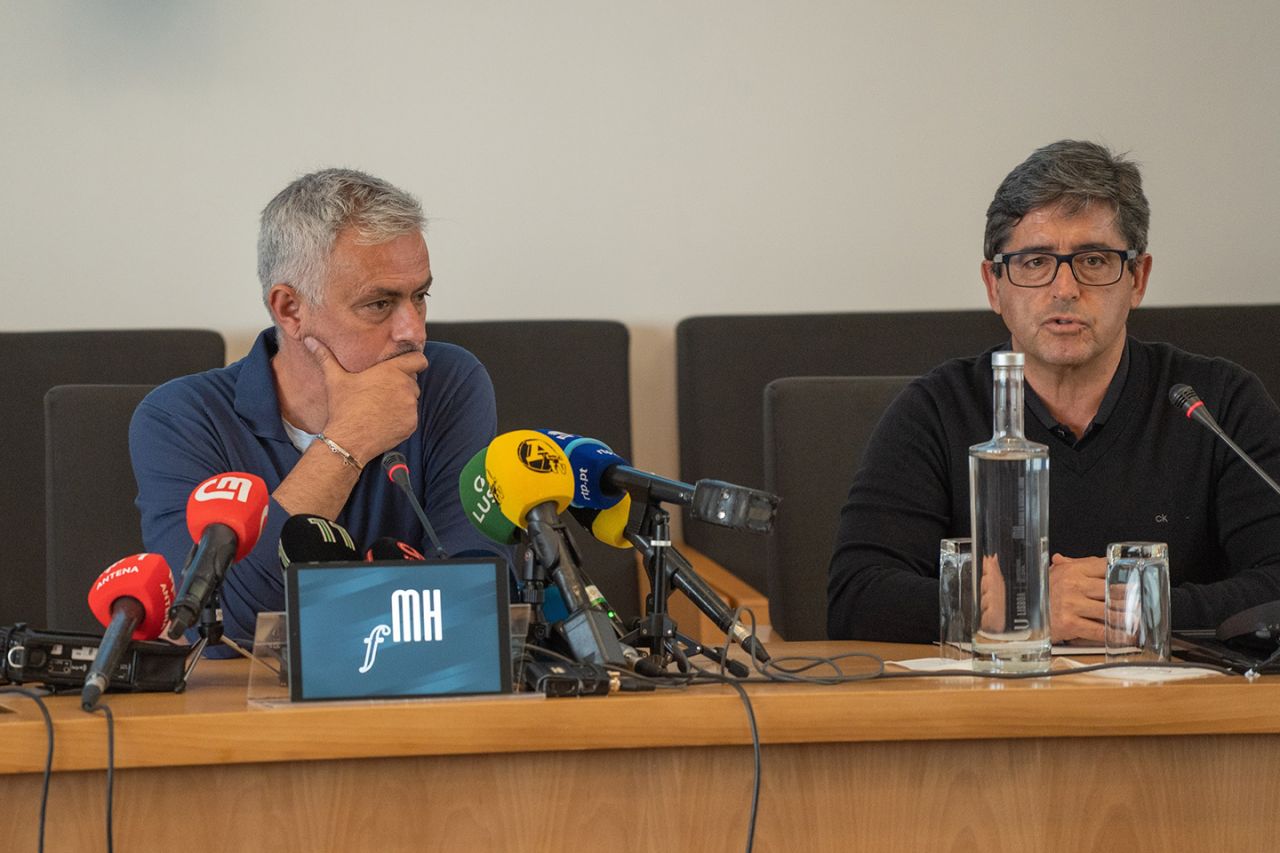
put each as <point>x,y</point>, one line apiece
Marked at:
<point>1092,267</point>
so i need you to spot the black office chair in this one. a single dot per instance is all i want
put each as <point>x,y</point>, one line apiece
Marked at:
<point>570,375</point>
<point>1246,334</point>
<point>89,490</point>
<point>33,363</point>
<point>724,362</point>
<point>815,432</point>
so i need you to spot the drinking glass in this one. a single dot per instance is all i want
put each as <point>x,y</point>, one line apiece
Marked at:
<point>955,598</point>
<point>1136,614</point>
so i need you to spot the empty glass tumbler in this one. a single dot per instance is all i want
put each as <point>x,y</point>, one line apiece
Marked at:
<point>1136,615</point>
<point>955,598</point>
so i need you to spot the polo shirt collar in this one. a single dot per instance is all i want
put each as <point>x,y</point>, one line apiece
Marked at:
<point>1108,405</point>
<point>256,401</point>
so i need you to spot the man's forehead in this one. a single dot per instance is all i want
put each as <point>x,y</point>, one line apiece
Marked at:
<point>400,262</point>
<point>382,287</point>
<point>1086,223</point>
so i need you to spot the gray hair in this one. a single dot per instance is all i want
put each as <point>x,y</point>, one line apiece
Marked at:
<point>1073,175</point>
<point>300,224</point>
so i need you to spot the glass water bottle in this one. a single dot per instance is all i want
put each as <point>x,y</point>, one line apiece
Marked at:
<point>1009,508</point>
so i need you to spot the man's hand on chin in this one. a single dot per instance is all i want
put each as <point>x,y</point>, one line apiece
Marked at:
<point>1077,587</point>
<point>374,410</point>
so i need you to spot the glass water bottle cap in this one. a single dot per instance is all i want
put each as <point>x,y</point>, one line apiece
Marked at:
<point>1008,359</point>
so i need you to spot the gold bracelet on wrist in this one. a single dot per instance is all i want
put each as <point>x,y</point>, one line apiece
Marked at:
<point>347,458</point>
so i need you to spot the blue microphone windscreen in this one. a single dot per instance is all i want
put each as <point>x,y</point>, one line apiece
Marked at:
<point>589,462</point>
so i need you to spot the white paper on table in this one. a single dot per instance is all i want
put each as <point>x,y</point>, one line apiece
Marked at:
<point>1057,650</point>
<point>1144,674</point>
<point>934,664</point>
<point>966,664</point>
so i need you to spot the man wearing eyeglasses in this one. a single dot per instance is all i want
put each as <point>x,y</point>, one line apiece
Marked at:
<point>1066,262</point>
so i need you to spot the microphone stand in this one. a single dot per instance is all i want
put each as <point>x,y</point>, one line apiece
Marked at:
<point>656,630</point>
<point>533,591</point>
<point>210,629</point>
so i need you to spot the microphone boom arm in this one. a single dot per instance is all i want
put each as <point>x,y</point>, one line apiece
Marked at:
<point>686,579</point>
<point>713,501</point>
<point>1185,397</point>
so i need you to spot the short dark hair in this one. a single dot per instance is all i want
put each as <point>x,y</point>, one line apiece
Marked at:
<point>1072,174</point>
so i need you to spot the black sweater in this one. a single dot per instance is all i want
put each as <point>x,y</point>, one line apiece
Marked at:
<point>1148,474</point>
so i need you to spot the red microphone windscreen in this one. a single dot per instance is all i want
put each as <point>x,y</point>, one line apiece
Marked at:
<point>145,577</point>
<point>235,499</point>
<point>387,548</point>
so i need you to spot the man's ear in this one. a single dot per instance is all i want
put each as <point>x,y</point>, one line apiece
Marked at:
<point>286,309</point>
<point>1141,274</point>
<point>992,284</point>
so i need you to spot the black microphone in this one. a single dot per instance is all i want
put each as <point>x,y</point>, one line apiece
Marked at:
<point>682,574</point>
<point>610,527</point>
<point>397,470</point>
<point>307,538</point>
<point>126,614</point>
<point>601,472</point>
<point>1185,398</point>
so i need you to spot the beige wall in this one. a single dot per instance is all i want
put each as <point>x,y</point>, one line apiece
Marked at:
<point>603,159</point>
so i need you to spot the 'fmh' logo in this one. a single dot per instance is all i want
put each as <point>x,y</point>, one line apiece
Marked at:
<point>416,617</point>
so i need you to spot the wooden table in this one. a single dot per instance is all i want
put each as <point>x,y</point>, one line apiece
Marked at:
<point>957,763</point>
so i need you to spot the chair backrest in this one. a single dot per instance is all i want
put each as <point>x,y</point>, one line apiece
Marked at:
<point>570,375</point>
<point>91,518</point>
<point>815,432</point>
<point>33,363</point>
<point>724,362</point>
<point>1246,334</point>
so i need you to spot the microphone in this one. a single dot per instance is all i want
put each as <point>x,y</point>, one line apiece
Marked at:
<point>130,598</point>
<point>389,548</point>
<point>607,525</point>
<point>682,574</point>
<point>480,506</point>
<point>531,479</point>
<point>307,538</point>
<point>225,515</point>
<point>600,471</point>
<point>1185,398</point>
<point>397,470</point>
<point>582,451</point>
